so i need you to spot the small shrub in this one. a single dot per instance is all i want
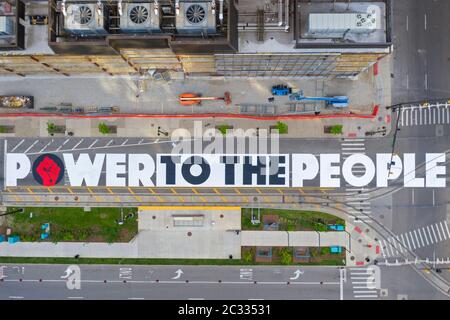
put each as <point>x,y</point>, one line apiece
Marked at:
<point>337,129</point>
<point>103,128</point>
<point>247,256</point>
<point>281,127</point>
<point>51,127</point>
<point>223,128</point>
<point>285,256</point>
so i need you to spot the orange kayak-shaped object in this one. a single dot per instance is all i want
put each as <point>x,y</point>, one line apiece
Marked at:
<point>189,98</point>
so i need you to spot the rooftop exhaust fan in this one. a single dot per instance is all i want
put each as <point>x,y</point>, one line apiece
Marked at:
<point>139,14</point>
<point>195,14</point>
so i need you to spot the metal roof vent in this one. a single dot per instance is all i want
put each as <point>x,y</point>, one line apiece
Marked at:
<point>84,15</point>
<point>195,14</point>
<point>139,14</point>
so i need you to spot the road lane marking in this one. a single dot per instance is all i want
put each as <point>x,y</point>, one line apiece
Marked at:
<point>417,239</point>
<point>34,143</point>
<point>77,144</point>
<point>434,233</point>
<point>92,144</point>
<point>124,143</point>
<point>18,145</point>
<point>425,235</point>
<point>109,143</point>
<point>431,237</point>
<point>438,232</point>
<point>443,231</point>
<point>62,145</point>
<point>446,227</point>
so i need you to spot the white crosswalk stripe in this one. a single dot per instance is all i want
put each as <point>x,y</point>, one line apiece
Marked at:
<point>363,284</point>
<point>362,207</point>
<point>424,115</point>
<point>415,239</point>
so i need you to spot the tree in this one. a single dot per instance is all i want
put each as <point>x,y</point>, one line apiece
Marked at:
<point>103,128</point>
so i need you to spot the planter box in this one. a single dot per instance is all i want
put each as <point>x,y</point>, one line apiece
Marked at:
<point>7,129</point>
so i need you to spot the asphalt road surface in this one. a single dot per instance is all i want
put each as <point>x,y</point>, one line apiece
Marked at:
<point>210,282</point>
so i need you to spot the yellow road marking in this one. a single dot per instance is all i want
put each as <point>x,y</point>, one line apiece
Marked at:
<point>237,190</point>
<point>70,190</point>
<point>280,191</point>
<point>50,190</point>
<point>7,189</point>
<point>30,191</point>
<point>259,191</point>
<point>173,191</point>
<point>109,190</point>
<point>160,199</point>
<point>301,191</point>
<point>220,195</point>
<point>198,194</point>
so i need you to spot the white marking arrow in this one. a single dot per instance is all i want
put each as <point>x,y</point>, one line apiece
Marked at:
<point>297,274</point>
<point>179,272</point>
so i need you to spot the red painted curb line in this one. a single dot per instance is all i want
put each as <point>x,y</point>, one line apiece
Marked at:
<point>187,116</point>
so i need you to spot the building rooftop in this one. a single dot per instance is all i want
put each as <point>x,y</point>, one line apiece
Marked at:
<point>11,31</point>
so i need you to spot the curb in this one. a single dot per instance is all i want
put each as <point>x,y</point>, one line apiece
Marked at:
<point>193,116</point>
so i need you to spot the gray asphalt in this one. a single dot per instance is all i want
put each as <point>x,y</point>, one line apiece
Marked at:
<point>421,64</point>
<point>203,282</point>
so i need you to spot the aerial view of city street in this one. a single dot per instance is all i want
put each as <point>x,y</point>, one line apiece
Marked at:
<point>228,150</point>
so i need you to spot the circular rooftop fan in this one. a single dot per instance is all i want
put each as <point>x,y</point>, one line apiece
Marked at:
<point>139,14</point>
<point>195,14</point>
<point>84,15</point>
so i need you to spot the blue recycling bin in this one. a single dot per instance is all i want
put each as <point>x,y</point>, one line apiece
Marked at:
<point>14,239</point>
<point>44,236</point>
<point>2,238</point>
<point>336,249</point>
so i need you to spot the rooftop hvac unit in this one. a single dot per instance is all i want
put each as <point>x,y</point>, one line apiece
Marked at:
<point>342,22</point>
<point>84,19</point>
<point>139,17</point>
<point>6,26</point>
<point>196,17</point>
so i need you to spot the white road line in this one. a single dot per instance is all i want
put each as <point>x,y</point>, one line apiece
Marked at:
<point>381,248</point>
<point>15,297</point>
<point>425,22</point>
<point>124,143</point>
<point>45,147</point>
<point>425,235</point>
<point>34,143</point>
<point>409,243</point>
<point>365,291</point>
<point>426,81</point>
<point>431,237</point>
<point>396,252</point>
<point>443,231</point>
<point>407,23</point>
<point>404,243</point>
<point>135,298</point>
<point>412,196</point>
<point>412,240</point>
<point>109,143</point>
<point>434,233</point>
<point>417,239</point>
<point>354,140</point>
<point>198,299</point>
<point>59,148</point>
<point>352,144</point>
<point>18,145</point>
<point>77,144</point>
<point>446,227</point>
<point>75,297</point>
<point>366,296</point>
<point>92,144</point>
<point>399,245</point>
<point>438,232</point>
<point>434,199</point>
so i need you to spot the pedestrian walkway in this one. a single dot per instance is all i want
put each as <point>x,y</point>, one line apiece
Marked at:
<point>424,115</point>
<point>356,197</point>
<point>364,284</point>
<point>415,239</point>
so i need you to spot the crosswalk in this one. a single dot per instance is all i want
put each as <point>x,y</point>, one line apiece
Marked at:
<point>415,239</point>
<point>364,283</point>
<point>356,197</point>
<point>424,115</point>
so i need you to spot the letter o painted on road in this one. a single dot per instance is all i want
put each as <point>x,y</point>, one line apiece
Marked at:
<point>201,169</point>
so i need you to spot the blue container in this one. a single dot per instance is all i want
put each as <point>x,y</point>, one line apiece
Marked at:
<point>44,236</point>
<point>336,227</point>
<point>2,238</point>
<point>336,249</point>
<point>13,239</point>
